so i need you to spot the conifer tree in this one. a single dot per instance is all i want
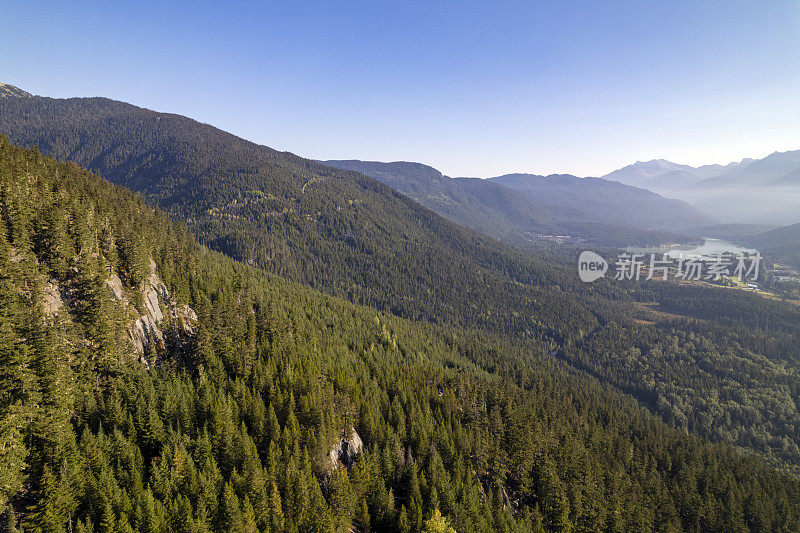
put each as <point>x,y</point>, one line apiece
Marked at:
<point>437,524</point>
<point>342,500</point>
<point>276,518</point>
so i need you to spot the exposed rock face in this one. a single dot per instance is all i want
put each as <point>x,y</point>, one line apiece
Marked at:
<point>53,301</point>
<point>147,329</point>
<point>344,452</point>
<point>116,287</point>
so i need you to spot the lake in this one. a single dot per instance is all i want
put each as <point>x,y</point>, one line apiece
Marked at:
<point>709,248</point>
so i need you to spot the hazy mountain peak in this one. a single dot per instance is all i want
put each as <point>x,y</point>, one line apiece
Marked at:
<point>11,91</point>
<point>750,191</point>
<point>650,168</point>
<point>657,162</point>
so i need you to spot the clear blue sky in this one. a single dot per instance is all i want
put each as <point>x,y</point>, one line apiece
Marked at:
<point>472,88</point>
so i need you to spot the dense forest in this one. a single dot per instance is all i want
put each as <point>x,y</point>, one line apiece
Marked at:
<point>227,424</point>
<point>717,362</point>
<point>721,366</point>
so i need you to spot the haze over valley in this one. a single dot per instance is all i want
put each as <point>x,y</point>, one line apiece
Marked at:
<point>762,191</point>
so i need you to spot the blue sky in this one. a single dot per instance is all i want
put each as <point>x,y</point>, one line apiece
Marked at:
<point>472,88</point>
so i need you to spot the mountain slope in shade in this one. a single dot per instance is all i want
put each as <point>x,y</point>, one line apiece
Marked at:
<point>779,244</point>
<point>514,216</point>
<point>786,235</point>
<point>792,179</point>
<point>486,207</point>
<point>731,231</point>
<point>607,201</point>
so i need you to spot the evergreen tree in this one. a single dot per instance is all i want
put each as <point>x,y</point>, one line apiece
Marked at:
<point>437,524</point>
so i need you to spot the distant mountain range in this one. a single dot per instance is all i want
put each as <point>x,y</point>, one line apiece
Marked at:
<point>773,170</point>
<point>777,169</point>
<point>607,201</point>
<point>660,174</point>
<point>765,191</point>
<point>520,208</point>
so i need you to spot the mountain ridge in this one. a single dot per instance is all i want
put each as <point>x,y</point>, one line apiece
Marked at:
<point>12,91</point>
<point>338,231</point>
<point>648,173</point>
<point>494,208</point>
<point>751,191</point>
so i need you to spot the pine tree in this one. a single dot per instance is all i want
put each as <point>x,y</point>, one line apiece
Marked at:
<point>342,500</point>
<point>107,520</point>
<point>249,524</point>
<point>298,500</point>
<point>403,523</point>
<point>437,524</point>
<point>230,513</point>
<point>18,387</point>
<point>320,515</point>
<point>10,520</point>
<point>52,244</point>
<point>276,519</point>
<point>47,514</point>
<point>555,504</point>
<point>134,259</point>
<point>362,521</point>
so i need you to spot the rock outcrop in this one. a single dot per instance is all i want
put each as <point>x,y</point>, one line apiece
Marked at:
<point>146,332</point>
<point>344,452</point>
<point>53,301</point>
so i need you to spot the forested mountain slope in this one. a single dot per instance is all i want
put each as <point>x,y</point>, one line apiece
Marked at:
<point>781,243</point>
<point>230,426</point>
<point>352,236</point>
<point>783,236</point>
<point>607,202</point>
<point>624,216</point>
<point>10,91</point>
<point>338,231</point>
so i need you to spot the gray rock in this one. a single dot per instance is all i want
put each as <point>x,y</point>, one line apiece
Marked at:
<point>53,301</point>
<point>344,452</point>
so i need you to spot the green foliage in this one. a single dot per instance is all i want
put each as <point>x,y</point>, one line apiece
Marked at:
<point>437,524</point>
<point>353,237</point>
<point>234,431</point>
